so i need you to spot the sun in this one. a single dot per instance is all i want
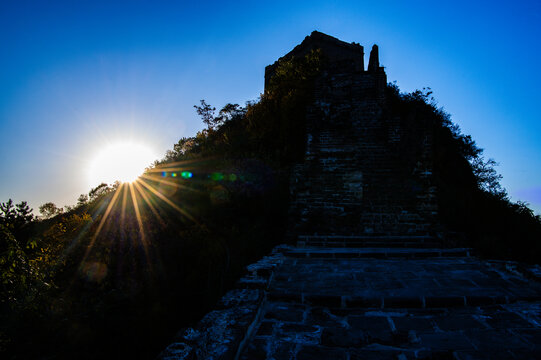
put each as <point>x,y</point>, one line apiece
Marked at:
<point>123,161</point>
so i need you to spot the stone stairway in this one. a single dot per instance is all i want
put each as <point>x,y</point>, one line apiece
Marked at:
<point>372,303</point>
<point>368,241</point>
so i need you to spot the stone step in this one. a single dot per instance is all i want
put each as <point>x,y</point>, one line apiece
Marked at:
<point>369,241</point>
<point>376,252</point>
<point>396,302</point>
<point>372,244</point>
<point>339,237</point>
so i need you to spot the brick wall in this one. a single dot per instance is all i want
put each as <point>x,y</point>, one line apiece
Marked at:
<point>365,172</point>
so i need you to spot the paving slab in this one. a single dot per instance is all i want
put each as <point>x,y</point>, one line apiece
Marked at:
<point>362,307</point>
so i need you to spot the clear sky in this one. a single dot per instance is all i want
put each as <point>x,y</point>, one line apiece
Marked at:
<point>77,75</point>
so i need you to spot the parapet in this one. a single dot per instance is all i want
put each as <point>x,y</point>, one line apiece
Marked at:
<point>340,55</point>
<point>373,63</point>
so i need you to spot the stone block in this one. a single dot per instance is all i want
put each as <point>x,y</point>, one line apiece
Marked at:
<point>380,354</point>
<point>299,333</point>
<point>284,296</point>
<point>321,353</point>
<point>266,328</point>
<point>340,337</point>
<point>402,302</point>
<point>479,300</point>
<point>446,341</point>
<point>506,320</point>
<point>418,324</point>
<point>321,316</point>
<point>323,300</point>
<point>377,329</point>
<point>290,312</point>
<point>239,297</point>
<point>256,350</point>
<point>283,350</point>
<point>364,302</point>
<point>496,341</point>
<point>444,301</point>
<point>454,322</point>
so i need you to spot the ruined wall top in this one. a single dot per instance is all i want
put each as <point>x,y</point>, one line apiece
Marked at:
<point>373,62</point>
<point>348,57</point>
<point>333,48</point>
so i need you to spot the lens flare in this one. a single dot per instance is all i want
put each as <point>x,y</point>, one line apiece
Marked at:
<point>217,176</point>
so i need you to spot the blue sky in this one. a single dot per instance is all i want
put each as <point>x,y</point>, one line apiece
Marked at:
<point>78,74</point>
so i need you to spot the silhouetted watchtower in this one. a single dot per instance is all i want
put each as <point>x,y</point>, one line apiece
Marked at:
<point>356,182</point>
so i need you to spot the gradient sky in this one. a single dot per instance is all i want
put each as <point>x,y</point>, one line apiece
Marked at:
<point>76,75</point>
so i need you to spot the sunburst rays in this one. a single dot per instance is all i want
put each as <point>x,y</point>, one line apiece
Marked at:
<point>165,199</point>
<point>134,204</point>
<point>142,236</point>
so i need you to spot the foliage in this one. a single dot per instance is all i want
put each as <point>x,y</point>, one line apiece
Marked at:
<point>207,114</point>
<point>472,203</point>
<point>277,122</point>
<point>488,179</point>
<point>99,191</point>
<point>15,217</point>
<point>49,209</point>
<point>82,200</point>
<point>15,271</point>
<point>7,213</point>
<point>271,129</point>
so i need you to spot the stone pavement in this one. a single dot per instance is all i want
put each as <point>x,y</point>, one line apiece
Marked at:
<point>384,303</point>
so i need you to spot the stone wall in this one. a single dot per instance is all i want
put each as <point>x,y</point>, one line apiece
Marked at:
<point>356,178</point>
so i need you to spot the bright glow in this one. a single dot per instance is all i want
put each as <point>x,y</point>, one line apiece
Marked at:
<point>123,161</point>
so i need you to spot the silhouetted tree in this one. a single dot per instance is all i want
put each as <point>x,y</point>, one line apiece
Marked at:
<point>207,114</point>
<point>24,213</point>
<point>15,217</point>
<point>15,269</point>
<point>228,113</point>
<point>488,178</point>
<point>82,200</point>
<point>49,209</point>
<point>7,213</point>
<point>98,191</point>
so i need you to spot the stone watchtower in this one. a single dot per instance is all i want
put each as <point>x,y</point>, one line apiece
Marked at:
<point>355,184</point>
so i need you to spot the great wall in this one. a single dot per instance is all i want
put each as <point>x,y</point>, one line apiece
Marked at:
<point>372,275</point>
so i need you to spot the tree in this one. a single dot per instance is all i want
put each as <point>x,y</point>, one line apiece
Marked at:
<point>7,213</point>
<point>24,213</point>
<point>229,112</point>
<point>207,114</point>
<point>98,191</point>
<point>17,216</point>
<point>49,210</point>
<point>15,271</point>
<point>183,145</point>
<point>82,200</point>
<point>487,177</point>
